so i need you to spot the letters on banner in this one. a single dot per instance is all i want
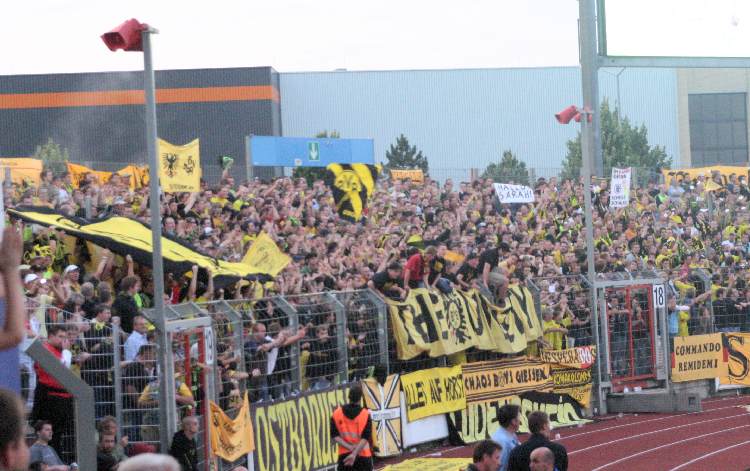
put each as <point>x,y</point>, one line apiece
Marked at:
<point>619,195</point>
<point>434,391</point>
<point>231,438</point>
<point>296,434</point>
<point>514,193</point>
<point>414,175</point>
<point>696,357</point>
<point>180,167</point>
<point>736,367</point>
<point>488,380</point>
<point>479,421</point>
<point>384,403</point>
<point>265,256</point>
<point>444,324</point>
<point>571,371</point>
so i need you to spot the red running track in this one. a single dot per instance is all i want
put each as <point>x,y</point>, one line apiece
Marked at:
<point>715,439</point>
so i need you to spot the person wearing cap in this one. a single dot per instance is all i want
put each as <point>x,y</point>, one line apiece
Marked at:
<point>70,285</point>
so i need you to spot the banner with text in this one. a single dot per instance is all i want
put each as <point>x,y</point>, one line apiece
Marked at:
<point>489,380</point>
<point>414,175</point>
<point>571,371</point>
<point>479,421</point>
<point>576,357</point>
<point>696,357</point>
<point>296,435</point>
<point>231,439</point>
<point>513,193</point>
<point>735,367</point>
<point>384,402</point>
<point>619,195</point>
<point>444,324</point>
<point>434,391</point>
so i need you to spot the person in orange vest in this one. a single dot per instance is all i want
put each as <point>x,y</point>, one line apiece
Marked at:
<point>351,429</point>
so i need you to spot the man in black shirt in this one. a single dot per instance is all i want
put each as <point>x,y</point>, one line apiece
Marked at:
<point>184,445</point>
<point>468,272</point>
<point>438,268</point>
<point>387,282</point>
<point>539,427</point>
<point>124,306</point>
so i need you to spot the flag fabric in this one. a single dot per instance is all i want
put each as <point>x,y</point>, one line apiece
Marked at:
<point>352,186</point>
<point>78,173</point>
<point>264,255</point>
<point>23,170</point>
<point>180,167</point>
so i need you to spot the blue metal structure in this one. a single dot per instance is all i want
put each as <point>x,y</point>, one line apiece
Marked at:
<point>274,151</point>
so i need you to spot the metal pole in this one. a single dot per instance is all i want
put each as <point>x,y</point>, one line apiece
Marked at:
<point>587,38</point>
<point>167,417</point>
<point>87,207</point>
<point>117,377</point>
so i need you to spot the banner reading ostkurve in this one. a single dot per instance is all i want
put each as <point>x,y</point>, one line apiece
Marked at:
<point>265,255</point>
<point>180,167</point>
<point>619,195</point>
<point>352,186</point>
<point>479,421</point>
<point>735,367</point>
<point>433,391</point>
<point>513,193</point>
<point>696,357</point>
<point>231,438</point>
<point>488,380</point>
<point>443,324</point>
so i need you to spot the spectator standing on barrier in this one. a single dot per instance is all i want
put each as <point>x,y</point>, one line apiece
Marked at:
<point>41,449</point>
<point>51,401</point>
<point>506,436</point>
<point>137,338</point>
<point>542,459</point>
<point>540,429</point>
<point>387,282</point>
<point>185,445</point>
<point>417,269</point>
<point>351,429</point>
<point>14,453</point>
<point>486,456</point>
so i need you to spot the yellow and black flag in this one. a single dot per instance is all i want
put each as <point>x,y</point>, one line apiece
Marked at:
<point>352,186</point>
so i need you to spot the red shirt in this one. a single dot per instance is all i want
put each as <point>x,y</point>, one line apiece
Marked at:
<point>415,265</point>
<point>46,379</point>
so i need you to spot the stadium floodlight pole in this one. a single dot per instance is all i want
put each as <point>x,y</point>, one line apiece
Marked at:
<point>135,36</point>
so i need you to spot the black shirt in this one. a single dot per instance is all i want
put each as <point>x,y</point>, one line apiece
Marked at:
<point>520,456</point>
<point>135,375</point>
<point>437,269</point>
<point>383,282</point>
<point>491,257</point>
<point>185,451</point>
<point>126,308</point>
<point>468,273</point>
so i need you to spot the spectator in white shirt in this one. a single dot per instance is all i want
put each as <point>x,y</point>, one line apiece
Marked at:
<point>137,338</point>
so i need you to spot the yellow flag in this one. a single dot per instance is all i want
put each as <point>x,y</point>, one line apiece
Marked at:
<point>22,169</point>
<point>138,176</point>
<point>265,257</point>
<point>231,439</point>
<point>180,167</point>
<point>78,173</point>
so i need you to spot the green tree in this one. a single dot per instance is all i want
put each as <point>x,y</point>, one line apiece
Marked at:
<point>311,174</point>
<point>405,156</point>
<point>508,170</point>
<point>623,145</point>
<point>53,157</point>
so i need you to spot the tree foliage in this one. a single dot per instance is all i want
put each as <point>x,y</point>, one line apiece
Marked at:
<point>311,174</point>
<point>623,145</point>
<point>405,156</point>
<point>53,157</point>
<point>509,170</point>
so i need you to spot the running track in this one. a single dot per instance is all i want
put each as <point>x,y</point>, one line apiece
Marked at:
<point>716,439</point>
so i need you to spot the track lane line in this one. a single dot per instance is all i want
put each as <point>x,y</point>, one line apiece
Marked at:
<point>612,463</point>
<point>703,457</point>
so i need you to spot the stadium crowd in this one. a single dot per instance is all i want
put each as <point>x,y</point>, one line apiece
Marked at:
<point>442,236</point>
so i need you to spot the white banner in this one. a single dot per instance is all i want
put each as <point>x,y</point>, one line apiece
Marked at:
<point>423,430</point>
<point>514,193</point>
<point>619,195</point>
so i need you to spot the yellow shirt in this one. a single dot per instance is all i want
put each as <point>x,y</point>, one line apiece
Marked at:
<point>682,329</point>
<point>552,338</point>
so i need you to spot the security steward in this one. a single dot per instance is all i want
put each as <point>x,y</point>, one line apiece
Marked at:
<point>351,429</point>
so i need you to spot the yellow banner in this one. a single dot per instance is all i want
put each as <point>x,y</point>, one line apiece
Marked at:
<point>577,357</point>
<point>735,368</point>
<point>78,173</point>
<point>696,357</point>
<point>444,324</point>
<point>574,382</point>
<point>430,464</point>
<point>432,392</point>
<point>22,169</point>
<point>415,175</point>
<point>231,439</point>
<point>265,256</point>
<point>692,173</point>
<point>384,402</point>
<point>137,176</point>
<point>489,380</point>
<point>180,167</point>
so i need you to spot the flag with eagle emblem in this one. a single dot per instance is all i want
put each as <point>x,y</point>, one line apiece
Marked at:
<point>180,167</point>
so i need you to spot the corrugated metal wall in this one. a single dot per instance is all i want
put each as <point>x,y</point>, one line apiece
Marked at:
<point>464,119</point>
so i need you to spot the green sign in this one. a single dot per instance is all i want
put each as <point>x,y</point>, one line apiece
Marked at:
<point>313,151</point>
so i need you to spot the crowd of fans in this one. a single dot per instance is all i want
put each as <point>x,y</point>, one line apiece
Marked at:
<point>439,236</point>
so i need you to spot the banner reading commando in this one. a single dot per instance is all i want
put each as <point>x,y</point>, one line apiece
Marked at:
<point>443,324</point>
<point>231,438</point>
<point>434,391</point>
<point>696,357</point>
<point>296,434</point>
<point>488,380</point>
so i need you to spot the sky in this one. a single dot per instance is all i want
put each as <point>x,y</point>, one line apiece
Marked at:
<point>57,36</point>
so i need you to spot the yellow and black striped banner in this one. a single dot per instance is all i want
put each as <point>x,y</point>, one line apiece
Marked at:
<point>488,380</point>
<point>352,186</point>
